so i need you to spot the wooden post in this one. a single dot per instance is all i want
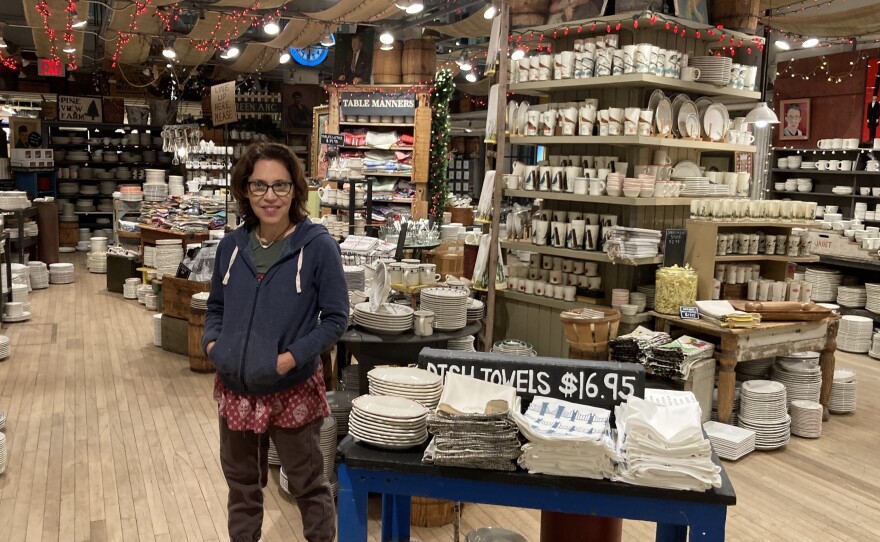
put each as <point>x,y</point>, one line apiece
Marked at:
<point>500,168</point>
<point>740,15</point>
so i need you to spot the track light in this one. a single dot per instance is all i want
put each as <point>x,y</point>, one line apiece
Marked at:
<point>2,40</point>
<point>271,27</point>
<point>464,63</point>
<point>169,52</point>
<point>232,52</point>
<point>518,54</point>
<point>387,37</point>
<point>410,6</point>
<point>811,42</point>
<point>471,77</point>
<point>491,12</point>
<point>76,22</point>
<point>284,58</point>
<point>386,47</point>
<point>782,45</point>
<point>69,48</point>
<point>327,39</point>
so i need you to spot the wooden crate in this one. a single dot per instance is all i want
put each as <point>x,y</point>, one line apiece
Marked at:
<point>177,295</point>
<point>449,258</point>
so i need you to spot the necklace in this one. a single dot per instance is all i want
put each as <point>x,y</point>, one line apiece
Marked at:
<point>264,245</point>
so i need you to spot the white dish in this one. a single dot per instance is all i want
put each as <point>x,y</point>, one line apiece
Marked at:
<point>390,407</point>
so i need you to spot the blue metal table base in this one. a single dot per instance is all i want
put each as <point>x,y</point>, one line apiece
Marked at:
<point>673,517</point>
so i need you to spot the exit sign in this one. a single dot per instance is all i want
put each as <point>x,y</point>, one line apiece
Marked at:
<point>50,68</point>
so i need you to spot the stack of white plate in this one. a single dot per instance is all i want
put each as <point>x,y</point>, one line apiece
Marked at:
<point>852,296</point>
<point>157,329</point>
<point>648,290</point>
<point>825,283</point>
<point>619,296</point>
<point>449,232</point>
<point>390,319</point>
<point>130,288</point>
<point>169,254</point>
<point>462,344</point>
<point>340,408</point>
<point>873,301</point>
<point>843,392</point>
<point>763,409</point>
<point>875,346</point>
<point>149,256</point>
<point>449,306</point>
<point>199,300</point>
<point>85,205</point>
<point>801,376</point>
<point>4,353</point>
<point>61,273</point>
<point>354,277</point>
<point>806,419</point>
<point>98,244</point>
<point>282,476</point>
<point>3,453</point>
<point>734,413</point>
<point>476,309</point>
<point>274,460</point>
<point>14,199</point>
<point>2,420</point>
<point>714,70</point>
<point>155,192</point>
<point>16,311</point>
<point>97,262</point>
<point>89,190</point>
<point>757,369</point>
<point>151,301</point>
<point>68,188</point>
<point>19,293</point>
<point>351,376</point>
<point>514,347</point>
<point>728,441</point>
<point>83,246</point>
<point>108,187</point>
<point>154,176</point>
<point>388,422</point>
<point>328,445</point>
<point>854,334</point>
<point>413,383</point>
<point>694,186</point>
<point>142,292</point>
<point>175,185</point>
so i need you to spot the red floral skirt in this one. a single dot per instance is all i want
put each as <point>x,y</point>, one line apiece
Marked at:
<point>288,409</point>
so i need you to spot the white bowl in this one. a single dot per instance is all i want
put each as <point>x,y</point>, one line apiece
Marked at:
<point>631,193</point>
<point>629,310</point>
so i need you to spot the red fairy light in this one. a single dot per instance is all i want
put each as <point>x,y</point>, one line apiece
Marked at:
<point>697,34</point>
<point>580,29</point>
<point>617,26</point>
<point>667,25</point>
<point>653,19</point>
<point>565,31</point>
<point>636,23</point>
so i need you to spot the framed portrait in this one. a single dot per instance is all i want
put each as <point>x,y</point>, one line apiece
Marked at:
<point>320,118</point>
<point>298,102</point>
<point>871,118</point>
<point>795,118</point>
<point>692,10</point>
<point>25,133</point>
<point>353,57</point>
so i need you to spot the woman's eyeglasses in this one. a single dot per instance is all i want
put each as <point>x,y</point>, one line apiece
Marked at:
<point>259,188</point>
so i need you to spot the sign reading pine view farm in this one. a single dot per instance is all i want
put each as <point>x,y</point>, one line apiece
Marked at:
<point>80,108</point>
<point>396,104</point>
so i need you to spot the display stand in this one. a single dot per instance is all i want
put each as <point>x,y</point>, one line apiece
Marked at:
<point>21,243</point>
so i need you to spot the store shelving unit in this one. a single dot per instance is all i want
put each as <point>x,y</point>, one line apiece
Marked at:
<point>21,243</point>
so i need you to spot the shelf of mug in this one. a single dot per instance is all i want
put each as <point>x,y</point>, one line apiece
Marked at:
<point>539,300</point>
<point>379,124</point>
<point>589,255</point>
<point>648,141</point>
<point>766,258</point>
<point>824,172</point>
<point>92,163</point>
<point>789,149</point>
<point>756,223</point>
<point>540,88</point>
<point>825,195</point>
<point>610,200</point>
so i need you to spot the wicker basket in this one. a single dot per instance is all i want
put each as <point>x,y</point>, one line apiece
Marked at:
<point>588,337</point>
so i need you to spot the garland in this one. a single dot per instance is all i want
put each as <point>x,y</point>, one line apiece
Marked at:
<point>438,190</point>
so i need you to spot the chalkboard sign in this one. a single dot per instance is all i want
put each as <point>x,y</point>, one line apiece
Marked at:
<point>596,383</point>
<point>673,249</point>
<point>333,139</point>
<point>689,313</point>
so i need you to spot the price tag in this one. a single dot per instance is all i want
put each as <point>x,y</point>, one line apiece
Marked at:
<point>596,383</point>
<point>333,139</point>
<point>689,313</point>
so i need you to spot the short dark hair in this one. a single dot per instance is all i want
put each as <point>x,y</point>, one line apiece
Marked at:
<point>796,107</point>
<point>22,129</point>
<point>245,167</point>
<point>297,94</point>
<point>356,37</point>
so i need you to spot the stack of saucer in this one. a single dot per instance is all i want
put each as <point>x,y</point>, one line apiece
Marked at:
<point>648,290</point>
<point>852,296</point>
<point>875,346</point>
<point>413,383</point>
<point>351,379</point>
<point>169,254</point>
<point>873,301</point>
<point>273,457</point>
<point>801,375</point>
<point>142,292</point>
<point>157,329</point>
<point>388,422</point>
<point>97,262</point>
<point>151,301</point>
<point>3,453</point>
<point>155,192</point>
<point>619,296</point>
<point>514,347</point>
<point>449,306</point>
<point>809,165</point>
<point>734,413</point>
<point>4,353</point>
<point>854,334</point>
<point>61,273</point>
<point>340,408</point>
<point>175,185</point>
<point>327,444</point>
<point>199,300</point>
<point>806,419</point>
<point>476,309</point>
<point>763,410</point>
<point>354,277</point>
<point>2,420</point>
<point>843,392</point>
<point>756,369</point>
<point>825,283</point>
<point>14,311</point>
<point>728,441</point>
<point>130,288</point>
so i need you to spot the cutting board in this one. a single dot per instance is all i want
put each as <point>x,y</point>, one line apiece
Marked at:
<point>782,311</point>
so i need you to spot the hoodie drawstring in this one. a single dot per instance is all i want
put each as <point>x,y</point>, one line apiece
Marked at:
<point>229,269</point>
<point>299,265</point>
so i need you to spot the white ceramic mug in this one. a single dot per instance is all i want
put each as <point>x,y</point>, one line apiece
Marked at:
<point>690,74</point>
<point>423,322</point>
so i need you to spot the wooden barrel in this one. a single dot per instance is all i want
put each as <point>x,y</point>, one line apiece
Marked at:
<point>528,12</point>
<point>741,15</point>
<point>386,65</point>
<point>198,362</point>
<point>419,61</point>
<point>68,233</point>
<point>425,512</point>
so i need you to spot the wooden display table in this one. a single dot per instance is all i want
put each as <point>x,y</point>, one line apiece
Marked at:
<point>767,340</point>
<point>399,475</point>
<point>150,235</point>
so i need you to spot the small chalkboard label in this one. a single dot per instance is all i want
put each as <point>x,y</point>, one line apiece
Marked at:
<point>689,313</point>
<point>333,139</point>
<point>673,249</point>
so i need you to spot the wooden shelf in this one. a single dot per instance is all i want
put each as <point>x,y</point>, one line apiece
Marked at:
<point>756,223</point>
<point>394,200</point>
<point>870,265</point>
<point>646,141</point>
<point>789,149</point>
<point>368,148</point>
<point>371,174</point>
<point>825,172</point>
<point>379,124</point>
<point>123,234</point>
<point>630,80</point>
<point>588,255</point>
<point>93,212</point>
<point>610,200</point>
<point>765,257</point>
<point>539,300</point>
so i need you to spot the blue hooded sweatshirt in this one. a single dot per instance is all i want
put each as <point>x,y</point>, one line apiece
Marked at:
<point>253,321</point>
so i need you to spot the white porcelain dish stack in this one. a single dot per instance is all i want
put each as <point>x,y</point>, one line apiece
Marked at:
<point>763,410</point>
<point>728,441</point>
<point>389,319</point>
<point>449,306</point>
<point>157,329</point>
<point>514,347</point>
<point>413,383</point>
<point>825,283</point>
<point>4,353</point>
<point>801,375</point>
<point>199,300</point>
<point>852,296</point>
<point>3,453</point>
<point>806,419</point>
<point>130,288</point>
<point>61,273</point>
<point>388,422</point>
<point>843,392</point>
<point>354,277</point>
<point>854,334</point>
<point>97,262</point>
<point>169,254</point>
<point>340,408</point>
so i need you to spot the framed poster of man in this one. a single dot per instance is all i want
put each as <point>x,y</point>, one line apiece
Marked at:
<point>353,62</point>
<point>26,133</point>
<point>872,103</point>
<point>795,119</point>
<point>298,101</point>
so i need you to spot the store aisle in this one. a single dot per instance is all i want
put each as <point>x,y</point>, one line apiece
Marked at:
<point>112,438</point>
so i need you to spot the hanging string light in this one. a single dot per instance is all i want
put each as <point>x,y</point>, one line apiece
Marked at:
<point>822,71</point>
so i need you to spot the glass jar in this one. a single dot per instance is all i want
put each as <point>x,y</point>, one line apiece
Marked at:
<point>675,287</point>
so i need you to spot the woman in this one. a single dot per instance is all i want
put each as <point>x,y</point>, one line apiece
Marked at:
<point>272,278</point>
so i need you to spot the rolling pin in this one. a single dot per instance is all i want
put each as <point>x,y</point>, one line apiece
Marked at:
<point>777,306</point>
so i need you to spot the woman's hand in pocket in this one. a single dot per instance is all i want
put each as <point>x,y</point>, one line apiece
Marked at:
<point>286,363</point>
<point>209,347</point>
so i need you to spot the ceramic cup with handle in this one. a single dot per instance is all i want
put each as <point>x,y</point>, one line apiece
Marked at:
<point>423,322</point>
<point>690,74</point>
<point>428,273</point>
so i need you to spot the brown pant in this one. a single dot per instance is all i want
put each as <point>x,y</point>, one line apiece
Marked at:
<point>244,458</point>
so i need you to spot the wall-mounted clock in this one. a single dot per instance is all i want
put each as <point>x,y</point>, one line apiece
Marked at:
<point>312,55</point>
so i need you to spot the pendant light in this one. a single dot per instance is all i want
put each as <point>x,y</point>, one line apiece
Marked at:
<point>762,115</point>
<point>386,38</point>
<point>271,27</point>
<point>327,39</point>
<point>2,40</point>
<point>284,58</point>
<point>410,6</point>
<point>76,22</point>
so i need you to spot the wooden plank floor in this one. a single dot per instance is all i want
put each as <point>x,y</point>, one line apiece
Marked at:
<point>111,438</point>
